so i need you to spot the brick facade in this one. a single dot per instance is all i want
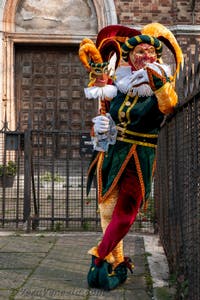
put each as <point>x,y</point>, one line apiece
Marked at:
<point>171,13</point>
<point>167,12</point>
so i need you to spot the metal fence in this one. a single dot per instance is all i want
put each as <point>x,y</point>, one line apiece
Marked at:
<point>48,191</point>
<point>177,185</point>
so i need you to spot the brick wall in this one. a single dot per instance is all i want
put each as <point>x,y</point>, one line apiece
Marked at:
<point>167,12</point>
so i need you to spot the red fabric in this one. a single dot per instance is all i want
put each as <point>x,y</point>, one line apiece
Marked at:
<point>115,31</point>
<point>125,211</point>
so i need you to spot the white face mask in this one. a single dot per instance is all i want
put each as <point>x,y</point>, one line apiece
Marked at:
<point>141,55</point>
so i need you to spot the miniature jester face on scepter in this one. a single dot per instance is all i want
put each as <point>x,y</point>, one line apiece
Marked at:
<point>101,64</point>
<point>99,74</point>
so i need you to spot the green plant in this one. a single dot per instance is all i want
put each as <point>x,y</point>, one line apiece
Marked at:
<point>178,283</point>
<point>48,177</point>
<point>10,169</point>
<point>58,226</point>
<point>86,225</point>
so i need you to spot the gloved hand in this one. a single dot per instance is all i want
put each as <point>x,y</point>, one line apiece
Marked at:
<point>101,124</point>
<point>139,77</point>
<point>157,76</point>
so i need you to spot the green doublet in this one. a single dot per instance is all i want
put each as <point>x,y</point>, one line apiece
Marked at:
<point>138,121</point>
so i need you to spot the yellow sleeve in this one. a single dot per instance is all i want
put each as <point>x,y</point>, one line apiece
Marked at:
<point>167,98</point>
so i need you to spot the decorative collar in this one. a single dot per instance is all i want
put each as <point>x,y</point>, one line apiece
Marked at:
<point>107,92</point>
<point>123,81</point>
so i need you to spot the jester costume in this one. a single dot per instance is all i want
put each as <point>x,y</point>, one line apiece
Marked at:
<point>124,172</point>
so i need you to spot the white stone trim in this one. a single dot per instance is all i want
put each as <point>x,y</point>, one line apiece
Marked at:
<point>185,29</point>
<point>47,38</point>
<point>110,10</point>
<point>178,29</point>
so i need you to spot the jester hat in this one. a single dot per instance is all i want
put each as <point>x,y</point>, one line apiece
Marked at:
<point>154,34</point>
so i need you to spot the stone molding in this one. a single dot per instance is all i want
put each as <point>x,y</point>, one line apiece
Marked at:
<point>185,29</point>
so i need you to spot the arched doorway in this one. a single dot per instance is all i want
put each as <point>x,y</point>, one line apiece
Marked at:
<point>43,86</point>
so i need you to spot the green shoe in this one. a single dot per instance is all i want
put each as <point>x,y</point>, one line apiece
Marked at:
<point>121,272</point>
<point>107,279</point>
<point>121,269</point>
<point>93,275</point>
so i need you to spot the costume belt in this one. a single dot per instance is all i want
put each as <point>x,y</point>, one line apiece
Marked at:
<point>143,139</point>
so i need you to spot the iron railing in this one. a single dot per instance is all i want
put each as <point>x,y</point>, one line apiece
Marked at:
<point>177,184</point>
<point>49,189</point>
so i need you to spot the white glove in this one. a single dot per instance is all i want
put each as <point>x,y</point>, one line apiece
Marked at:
<point>139,77</point>
<point>101,124</point>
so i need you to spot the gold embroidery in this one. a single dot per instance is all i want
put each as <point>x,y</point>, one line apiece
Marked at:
<point>122,139</point>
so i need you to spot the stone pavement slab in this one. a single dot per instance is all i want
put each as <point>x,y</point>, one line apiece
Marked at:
<point>55,266</point>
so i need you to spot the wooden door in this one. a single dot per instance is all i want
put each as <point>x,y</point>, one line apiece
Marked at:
<point>49,83</point>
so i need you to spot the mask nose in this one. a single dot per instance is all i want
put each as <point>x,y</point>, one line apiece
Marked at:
<point>145,56</point>
<point>104,76</point>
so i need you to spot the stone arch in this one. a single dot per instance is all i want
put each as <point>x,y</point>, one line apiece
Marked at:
<point>106,13</point>
<point>61,17</point>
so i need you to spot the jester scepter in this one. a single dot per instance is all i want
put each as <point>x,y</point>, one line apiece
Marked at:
<point>101,63</point>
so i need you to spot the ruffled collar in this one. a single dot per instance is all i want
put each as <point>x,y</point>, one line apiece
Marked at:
<point>107,92</point>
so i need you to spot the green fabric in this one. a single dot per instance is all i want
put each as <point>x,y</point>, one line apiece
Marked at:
<point>158,82</point>
<point>145,118</point>
<point>113,162</point>
<point>92,172</point>
<point>146,157</point>
<point>93,275</point>
<point>107,280</point>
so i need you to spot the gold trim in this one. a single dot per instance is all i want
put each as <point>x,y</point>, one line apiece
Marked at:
<point>139,173</point>
<point>136,142</point>
<point>99,176</point>
<point>158,48</point>
<point>129,109</point>
<point>115,181</point>
<point>148,135</point>
<point>138,39</point>
<point>122,106</point>
<point>152,40</point>
<point>128,45</point>
<point>93,163</point>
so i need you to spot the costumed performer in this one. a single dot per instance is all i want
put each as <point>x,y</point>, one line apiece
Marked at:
<point>124,169</point>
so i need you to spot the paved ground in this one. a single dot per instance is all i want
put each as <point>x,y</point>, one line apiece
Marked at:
<point>55,266</point>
